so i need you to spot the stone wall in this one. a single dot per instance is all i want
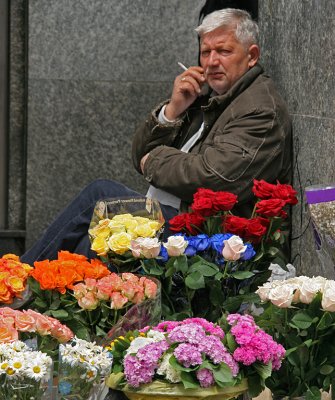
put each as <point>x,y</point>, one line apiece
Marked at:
<point>96,68</point>
<point>298,52</point>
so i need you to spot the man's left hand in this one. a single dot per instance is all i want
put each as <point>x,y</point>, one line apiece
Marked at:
<point>143,160</point>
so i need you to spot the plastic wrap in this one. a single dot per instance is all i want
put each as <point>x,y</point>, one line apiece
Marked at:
<point>321,204</point>
<point>159,390</point>
<point>103,230</point>
<point>138,316</point>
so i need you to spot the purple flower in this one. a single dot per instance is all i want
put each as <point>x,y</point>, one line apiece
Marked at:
<point>217,241</point>
<point>190,333</point>
<point>150,354</point>
<point>205,377</point>
<point>188,354</point>
<point>136,373</point>
<point>197,244</point>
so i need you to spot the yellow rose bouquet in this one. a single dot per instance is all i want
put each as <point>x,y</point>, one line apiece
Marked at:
<point>116,223</point>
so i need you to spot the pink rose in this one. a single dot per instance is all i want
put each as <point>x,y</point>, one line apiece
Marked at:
<point>129,277</point>
<point>43,325</point>
<point>24,322</point>
<point>118,300</point>
<point>129,289</point>
<point>8,334</point>
<point>139,296</point>
<point>150,287</point>
<point>89,301</point>
<point>115,281</point>
<point>59,331</point>
<point>233,248</point>
<point>79,290</point>
<point>104,288</point>
<point>90,283</point>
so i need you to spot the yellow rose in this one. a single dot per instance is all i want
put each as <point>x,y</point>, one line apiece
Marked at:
<point>120,242</point>
<point>145,230</point>
<point>142,220</point>
<point>130,224</point>
<point>100,246</point>
<point>116,226</point>
<point>101,229</point>
<point>155,225</point>
<point>122,217</point>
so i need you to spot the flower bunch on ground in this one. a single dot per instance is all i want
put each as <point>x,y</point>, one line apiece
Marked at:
<point>196,353</point>
<point>300,313</point>
<point>23,372</point>
<point>221,258</point>
<point>13,278</point>
<point>85,295</point>
<point>15,324</point>
<point>83,365</point>
<point>68,269</point>
<point>113,236</point>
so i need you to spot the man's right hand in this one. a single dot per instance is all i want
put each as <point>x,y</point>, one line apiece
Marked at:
<point>186,88</point>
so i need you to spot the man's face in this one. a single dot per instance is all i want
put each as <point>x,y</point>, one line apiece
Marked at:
<point>223,58</point>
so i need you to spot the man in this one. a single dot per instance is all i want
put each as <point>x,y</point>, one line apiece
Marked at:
<point>238,131</point>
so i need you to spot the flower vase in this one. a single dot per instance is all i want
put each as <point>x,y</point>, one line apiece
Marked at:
<point>82,371</point>
<point>12,387</point>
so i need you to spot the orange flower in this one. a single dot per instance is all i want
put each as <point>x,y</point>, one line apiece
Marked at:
<point>66,271</point>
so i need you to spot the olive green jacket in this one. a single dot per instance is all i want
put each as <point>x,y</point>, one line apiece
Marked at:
<point>247,135</point>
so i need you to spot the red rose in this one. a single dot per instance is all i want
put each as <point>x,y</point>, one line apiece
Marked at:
<point>256,229</point>
<point>188,221</point>
<point>270,207</point>
<point>263,189</point>
<point>235,225</point>
<point>224,201</point>
<point>285,192</point>
<point>203,202</point>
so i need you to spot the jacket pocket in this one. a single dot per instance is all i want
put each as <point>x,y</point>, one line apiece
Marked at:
<point>229,159</point>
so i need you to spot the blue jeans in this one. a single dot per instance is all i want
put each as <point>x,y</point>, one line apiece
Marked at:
<point>69,231</point>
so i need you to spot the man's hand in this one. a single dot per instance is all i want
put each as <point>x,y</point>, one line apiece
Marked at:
<point>143,160</point>
<point>186,89</point>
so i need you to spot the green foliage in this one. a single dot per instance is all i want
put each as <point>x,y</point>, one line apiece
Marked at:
<point>307,332</point>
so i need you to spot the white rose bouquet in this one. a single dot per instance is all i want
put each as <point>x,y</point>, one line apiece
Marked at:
<point>300,314</point>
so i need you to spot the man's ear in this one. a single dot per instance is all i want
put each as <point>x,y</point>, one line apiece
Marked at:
<point>253,55</point>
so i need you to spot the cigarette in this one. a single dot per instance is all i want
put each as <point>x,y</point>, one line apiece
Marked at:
<point>181,65</point>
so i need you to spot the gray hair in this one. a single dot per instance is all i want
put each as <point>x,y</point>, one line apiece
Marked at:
<point>246,30</point>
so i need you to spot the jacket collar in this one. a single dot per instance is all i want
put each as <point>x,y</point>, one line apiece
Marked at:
<point>245,81</point>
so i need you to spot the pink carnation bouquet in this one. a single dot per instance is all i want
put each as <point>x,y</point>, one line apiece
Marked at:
<point>180,357</point>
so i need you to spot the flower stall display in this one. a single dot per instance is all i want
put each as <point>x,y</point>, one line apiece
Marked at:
<point>176,359</point>
<point>216,260</point>
<point>116,222</point>
<point>83,367</point>
<point>14,290</point>
<point>300,314</point>
<point>88,298</point>
<point>24,374</point>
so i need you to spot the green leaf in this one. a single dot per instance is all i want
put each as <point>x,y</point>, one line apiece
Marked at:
<point>264,371</point>
<point>195,281</point>
<point>231,344</point>
<point>273,251</point>
<point>152,268</point>
<point>59,314</point>
<point>255,385</point>
<point>326,369</point>
<point>188,381</point>
<point>204,268</point>
<point>223,375</point>
<point>180,264</point>
<point>301,320</point>
<point>325,321</point>
<point>242,275</point>
<point>40,304</point>
<point>216,295</point>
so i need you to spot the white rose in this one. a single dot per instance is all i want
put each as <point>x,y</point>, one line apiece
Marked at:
<point>233,248</point>
<point>282,295</point>
<point>328,297</point>
<point>175,245</point>
<point>308,290</point>
<point>264,291</point>
<point>146,247</point>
